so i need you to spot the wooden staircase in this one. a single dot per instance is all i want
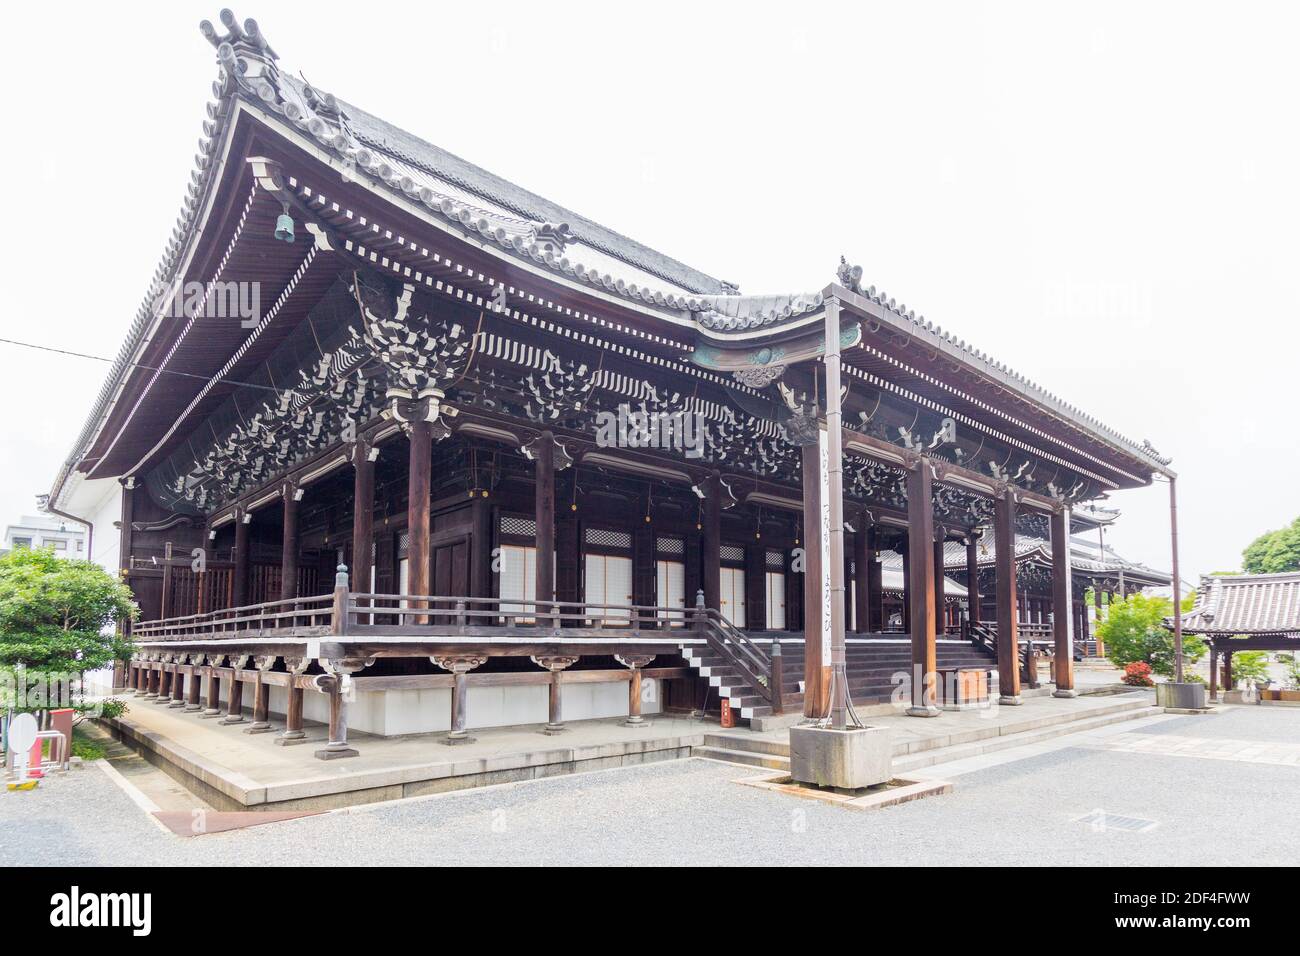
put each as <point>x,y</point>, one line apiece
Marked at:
<point>873,668</point>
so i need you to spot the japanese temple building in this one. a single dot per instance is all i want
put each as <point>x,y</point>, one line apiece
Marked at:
<point>1245,612</point>
<point>391,430</point>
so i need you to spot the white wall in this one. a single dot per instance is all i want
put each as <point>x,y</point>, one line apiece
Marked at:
<point>390,713</point>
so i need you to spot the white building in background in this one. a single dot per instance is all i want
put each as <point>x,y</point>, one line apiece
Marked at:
<point>66,538</point>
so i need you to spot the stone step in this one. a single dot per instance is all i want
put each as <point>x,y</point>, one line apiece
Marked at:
<point>927,758</point>
<point>958,746</point>
<point>745,757</point>
<point>748,743</point>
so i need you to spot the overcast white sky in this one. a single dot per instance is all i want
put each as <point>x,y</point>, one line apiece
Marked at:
<point>1105,198</point>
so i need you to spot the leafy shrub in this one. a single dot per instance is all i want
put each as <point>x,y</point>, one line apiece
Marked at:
<point>1138,674</point>
<point>1250,666</point>
<point>1134,630</point>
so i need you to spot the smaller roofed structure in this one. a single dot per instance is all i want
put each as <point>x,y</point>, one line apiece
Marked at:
<point>1254,605</point>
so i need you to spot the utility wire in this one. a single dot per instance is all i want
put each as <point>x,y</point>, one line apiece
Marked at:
<point>146,368</point>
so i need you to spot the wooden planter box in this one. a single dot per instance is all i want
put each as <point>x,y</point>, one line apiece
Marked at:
<point>959,688</point>
<point>1290,696</point>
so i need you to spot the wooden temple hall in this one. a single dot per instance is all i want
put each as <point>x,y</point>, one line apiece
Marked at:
<point>397,443</point>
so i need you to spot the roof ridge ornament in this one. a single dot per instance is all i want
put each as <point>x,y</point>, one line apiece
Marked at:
<point>849,276</point>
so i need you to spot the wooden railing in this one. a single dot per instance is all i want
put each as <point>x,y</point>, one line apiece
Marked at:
<point>348,614</point>
<point>297,616</point>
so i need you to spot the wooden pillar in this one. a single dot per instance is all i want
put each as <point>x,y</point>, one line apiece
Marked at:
<point>212,698</point>
<point>1229,682</point>
<point>905,551</point>
<point>340,673</point>
<point>261,697</point>
<point>863,557</point>
<point>544,505</point>
<point>816,663</point>
<point>289,542</point>
<point>165,603</point>
<point>711,535</point>
<point>151,682</point>
<point>1214,673</point>
<point>480,569</point>
<point>178,684</point>
<point>940,591</point>
<point>1004,542</point>
<point>239,597</point>
<point>192,704</point>
<point>164,684</point>
<point>235,700</point>
<point>1062,604</point>
<point>418,513</point>
<point>875,585</point>
<point>1096,602</point>
<point>555,710</point>
<point>634,662</point>
<point>363,514</point>
<point>126,541</point>
<point>460,666</point>
<point>922,574</point>
<point>973,578</point>
<point>293,732</point>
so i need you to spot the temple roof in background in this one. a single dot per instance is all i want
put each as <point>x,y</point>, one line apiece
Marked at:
<point>1246,604</point>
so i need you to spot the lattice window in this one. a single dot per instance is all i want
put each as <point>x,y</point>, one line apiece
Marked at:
<point>730,552</point>
<point>404,542</point>
<point>670,546</point>
<point>519,527</point>
<point>619,540</point>
<point>775,561</point>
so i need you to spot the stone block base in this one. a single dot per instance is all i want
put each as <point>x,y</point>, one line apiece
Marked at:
<point>339,754</point>
<point>1189,696</point>
<point>841,759</point>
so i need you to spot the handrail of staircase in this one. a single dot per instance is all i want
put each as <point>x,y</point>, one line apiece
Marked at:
<point>734,645</point>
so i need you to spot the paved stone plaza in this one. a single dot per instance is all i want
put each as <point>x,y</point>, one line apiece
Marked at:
<point>1216,802</point>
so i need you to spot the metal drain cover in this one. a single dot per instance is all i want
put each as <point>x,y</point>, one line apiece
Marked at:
<point>1101,820</point>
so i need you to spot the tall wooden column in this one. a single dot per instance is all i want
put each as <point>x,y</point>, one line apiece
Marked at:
<point>940,592</point>
<point>875,585</point>
<point>816,666</point>
<point>544,505</point>
<point>289,542</point>
<point>1062,604</point>
<point>1214,673</point>
<point>921,572</point>
<point>480,568</point>
<point>711,577</point>
<point>973,578</point>
<point>863,557</point>
<point>418,512</point>
<point>363,513</point>
<point>239,596</point>
<point>905,551</point>
<point>1096,606</point>
<point>1004,541</point>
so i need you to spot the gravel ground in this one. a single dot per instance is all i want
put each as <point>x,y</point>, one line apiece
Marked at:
<point>1208,812</point>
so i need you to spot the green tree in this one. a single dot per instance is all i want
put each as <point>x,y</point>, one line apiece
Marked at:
<point>56,615</point>
<point>1251,666</point>
<point>1274,551</point>
<point>1134,630</point>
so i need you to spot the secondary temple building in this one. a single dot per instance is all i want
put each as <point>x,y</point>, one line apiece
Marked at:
<point>394,442</point>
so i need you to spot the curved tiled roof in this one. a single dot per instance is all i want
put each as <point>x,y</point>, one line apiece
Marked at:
<point>1246,604</point>
<point>512,218</point>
